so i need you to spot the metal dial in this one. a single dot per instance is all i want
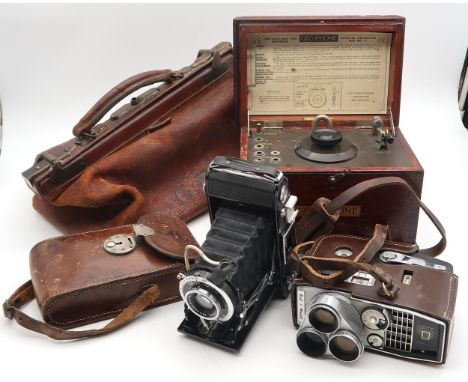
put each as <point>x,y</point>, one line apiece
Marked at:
<point>374,318</point>
<point>375,341</point>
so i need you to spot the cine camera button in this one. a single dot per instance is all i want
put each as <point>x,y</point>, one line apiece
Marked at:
<point>375,341</point>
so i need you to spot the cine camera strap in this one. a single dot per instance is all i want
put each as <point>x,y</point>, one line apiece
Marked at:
<point>321,219</point>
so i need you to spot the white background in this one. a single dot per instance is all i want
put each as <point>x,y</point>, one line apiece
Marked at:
<point>57,60</point>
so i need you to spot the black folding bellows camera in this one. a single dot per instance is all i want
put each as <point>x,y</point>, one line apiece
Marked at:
<point>244,259</point>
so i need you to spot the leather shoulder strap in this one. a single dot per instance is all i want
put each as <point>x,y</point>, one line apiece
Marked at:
<point>25,294</point>
<point>321,218</point>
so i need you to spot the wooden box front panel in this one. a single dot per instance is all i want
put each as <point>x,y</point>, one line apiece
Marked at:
<point>392,206</point>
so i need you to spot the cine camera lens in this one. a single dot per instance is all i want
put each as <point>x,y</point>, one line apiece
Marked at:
<point>345,346</point>
<point>323,319</point>
<point>311,342</point>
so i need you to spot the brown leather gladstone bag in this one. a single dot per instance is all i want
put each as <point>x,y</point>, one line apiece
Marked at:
<point>149,156</point>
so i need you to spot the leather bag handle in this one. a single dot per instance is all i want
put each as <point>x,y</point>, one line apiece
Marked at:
<point>118,93</point>
<point>25,294</point>
<point>323,215</point>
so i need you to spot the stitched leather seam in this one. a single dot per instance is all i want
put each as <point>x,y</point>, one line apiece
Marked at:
<point>108,312</point>
<point>80,234</point>
<point>358,238</point>
<point>448,297</point>
<point>111,285</point>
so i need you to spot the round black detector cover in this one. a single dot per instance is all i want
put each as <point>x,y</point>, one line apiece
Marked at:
<point>342,152</point>
<point>326,137</point>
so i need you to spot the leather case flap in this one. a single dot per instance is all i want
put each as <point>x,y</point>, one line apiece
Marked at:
<point>431,291</point>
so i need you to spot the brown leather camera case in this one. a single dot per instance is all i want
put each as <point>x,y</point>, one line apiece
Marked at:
<point>271,114</point>
<point>76,281</point>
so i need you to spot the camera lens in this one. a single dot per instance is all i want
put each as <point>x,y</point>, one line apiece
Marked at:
<point>323,319</point>
<point>345,346</point>
<point>205,299</point>
<point>203,304</point>
<point>311,342</point>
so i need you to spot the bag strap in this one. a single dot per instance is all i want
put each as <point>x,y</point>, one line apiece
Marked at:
<point>323,215</point>
<point>308,266</point>
<point>25,294</point>
<point>118,93</point>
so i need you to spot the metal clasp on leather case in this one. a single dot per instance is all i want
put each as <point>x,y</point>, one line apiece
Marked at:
<point>216,63</point>
<point>120,244</point>
<point>213,54</point>
<point>392,257</point>
<point>123,244</point>
<point>46,161</point>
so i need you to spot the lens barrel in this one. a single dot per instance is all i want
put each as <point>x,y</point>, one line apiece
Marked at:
<point>311,342</point>
<point>345,346</point>
<point>203,303</point>
<point>205,299</point>
<point>323,319</point>
<point>332,326</point>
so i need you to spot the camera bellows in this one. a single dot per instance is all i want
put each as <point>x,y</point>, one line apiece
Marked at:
<point>241,239</point>
<point>244,261</point>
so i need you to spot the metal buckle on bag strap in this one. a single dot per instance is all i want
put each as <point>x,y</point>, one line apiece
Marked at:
<point>46,161</point>
<point>214,55</point>
<point>176,75</point>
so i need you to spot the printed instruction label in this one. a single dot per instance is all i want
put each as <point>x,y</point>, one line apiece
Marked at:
<point>339,73</point>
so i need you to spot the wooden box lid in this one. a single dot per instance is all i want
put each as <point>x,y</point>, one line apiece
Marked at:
<point>294,68</point>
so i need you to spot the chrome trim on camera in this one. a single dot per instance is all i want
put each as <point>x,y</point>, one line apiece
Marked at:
<point>189,282</point>
<point>307,294</point>
<point>209,296</point>
<point>392,257</point>
<point>248,174</point>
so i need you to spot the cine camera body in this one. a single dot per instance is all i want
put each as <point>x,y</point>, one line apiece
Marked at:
<point>344,320</point>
